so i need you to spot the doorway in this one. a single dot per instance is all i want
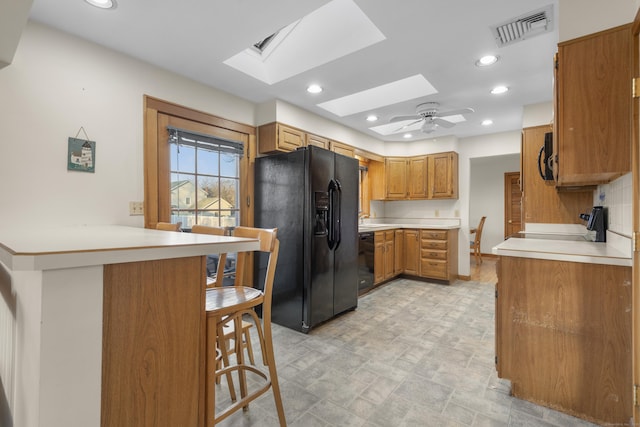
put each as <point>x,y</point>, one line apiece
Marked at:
<point>512,203</point>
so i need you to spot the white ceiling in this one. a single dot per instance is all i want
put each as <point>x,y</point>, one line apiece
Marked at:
<point>438,39</point>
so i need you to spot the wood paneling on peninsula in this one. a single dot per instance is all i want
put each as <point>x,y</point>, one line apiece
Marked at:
<point>563,336</point>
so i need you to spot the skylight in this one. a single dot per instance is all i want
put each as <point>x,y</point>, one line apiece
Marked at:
<point>401,90</point>
<point>286,53</point>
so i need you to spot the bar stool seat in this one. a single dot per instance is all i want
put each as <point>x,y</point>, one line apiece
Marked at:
<point>230,299</point>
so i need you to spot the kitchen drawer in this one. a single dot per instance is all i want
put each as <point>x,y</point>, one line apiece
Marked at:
<point>433,244</point>
<point>433,254</point>
<point>436,269</point>
<point>433,234</point>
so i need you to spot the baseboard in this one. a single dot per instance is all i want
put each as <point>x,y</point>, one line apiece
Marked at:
<point>466,278</point>
<point>484,255</point>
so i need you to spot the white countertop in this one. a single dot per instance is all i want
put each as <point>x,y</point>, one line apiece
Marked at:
<point>611,253</point>
<point>43,248</point>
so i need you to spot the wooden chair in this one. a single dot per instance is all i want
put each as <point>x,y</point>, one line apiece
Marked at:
<point>475,243</point>
<point>167,226</point>
<point>228,326</point>
<point>232,302</point>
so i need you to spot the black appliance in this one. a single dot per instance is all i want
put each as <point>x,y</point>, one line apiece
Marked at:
<point>597,221</point>
<point>366,252</point>
<point>546,156</point>
<point>311,196</point>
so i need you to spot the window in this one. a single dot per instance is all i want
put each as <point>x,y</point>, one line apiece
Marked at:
<point>363,189</point>
<point>205,179</point>
<point>160,116</point>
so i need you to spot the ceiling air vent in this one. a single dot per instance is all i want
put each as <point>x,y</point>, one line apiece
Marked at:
<point>524,27</point>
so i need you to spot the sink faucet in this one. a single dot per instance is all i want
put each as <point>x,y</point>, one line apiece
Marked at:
<point>362,217</point>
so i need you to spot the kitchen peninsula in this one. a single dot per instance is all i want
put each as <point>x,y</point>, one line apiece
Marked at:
<point>103,325</point>
<point>563,323</point>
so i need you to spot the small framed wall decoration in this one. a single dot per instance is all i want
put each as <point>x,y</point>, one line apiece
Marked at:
<point>81,154</point>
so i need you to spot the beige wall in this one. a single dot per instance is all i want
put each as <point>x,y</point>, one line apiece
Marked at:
<point>57,84</point>
<point>581,17</point>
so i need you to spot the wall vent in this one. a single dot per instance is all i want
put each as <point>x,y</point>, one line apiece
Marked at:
<point>524,27</point>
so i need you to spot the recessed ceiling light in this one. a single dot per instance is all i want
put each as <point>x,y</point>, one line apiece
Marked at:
<point>486,61</point>
<point>487,122</point>
<point>499,89</point>
<point>407,135</point>
<point>314,89</point>
<point>103,4</point>
<point>372,118</point>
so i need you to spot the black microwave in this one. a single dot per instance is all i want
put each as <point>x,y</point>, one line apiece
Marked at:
<point>545,158</point>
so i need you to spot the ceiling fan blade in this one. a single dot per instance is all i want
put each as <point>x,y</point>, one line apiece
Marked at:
<point>455,112</point>
<point>443,123</point>
<point>407,125</point>
<point>403,118</point>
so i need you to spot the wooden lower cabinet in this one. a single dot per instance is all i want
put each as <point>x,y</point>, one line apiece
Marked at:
<point>432,254</point>
<point>439,254</point>
<point>378,257</point>
<point>412,252</point>
<point>384,256</point>
<point>398,262</point>
<point>563,336</point>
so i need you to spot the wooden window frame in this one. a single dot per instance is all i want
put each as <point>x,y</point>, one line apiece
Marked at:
<point>156,160</point>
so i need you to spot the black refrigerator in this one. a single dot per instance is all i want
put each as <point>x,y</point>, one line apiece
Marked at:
<point>311,196</point>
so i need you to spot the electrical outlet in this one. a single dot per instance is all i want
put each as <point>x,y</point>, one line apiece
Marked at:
<point>136,208</point>
<point>437,213</point>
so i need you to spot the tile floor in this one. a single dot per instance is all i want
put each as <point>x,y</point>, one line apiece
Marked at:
<point>412,354</point>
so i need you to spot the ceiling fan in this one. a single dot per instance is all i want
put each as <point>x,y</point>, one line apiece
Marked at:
<point>428,112</point>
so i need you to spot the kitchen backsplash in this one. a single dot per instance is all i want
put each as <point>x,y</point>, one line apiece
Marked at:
<point>415,209</point>
<point>617,196</point>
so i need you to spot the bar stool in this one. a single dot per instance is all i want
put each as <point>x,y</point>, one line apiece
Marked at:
<point>167,226</point>
<point>228,327</point>
<point>232,302</point>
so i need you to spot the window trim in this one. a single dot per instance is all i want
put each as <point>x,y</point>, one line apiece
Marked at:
<point>156,161</point>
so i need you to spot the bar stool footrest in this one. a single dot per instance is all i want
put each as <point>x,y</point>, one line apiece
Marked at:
<point>243,402</point>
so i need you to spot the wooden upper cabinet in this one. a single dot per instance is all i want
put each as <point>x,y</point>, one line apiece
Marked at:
<point>318,141</point>
<point>422,177</point>
<point>443,175</point>
<point>276,137</point>
<point>396,174</point>
<point>418,178</point>
<point>340,148</point>
<point>559,207</point>
<point>594,107</point>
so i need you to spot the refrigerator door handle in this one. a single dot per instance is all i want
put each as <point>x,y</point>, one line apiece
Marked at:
<point>330,240</point>
<point>333,234</point>
<point>337,216</point>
